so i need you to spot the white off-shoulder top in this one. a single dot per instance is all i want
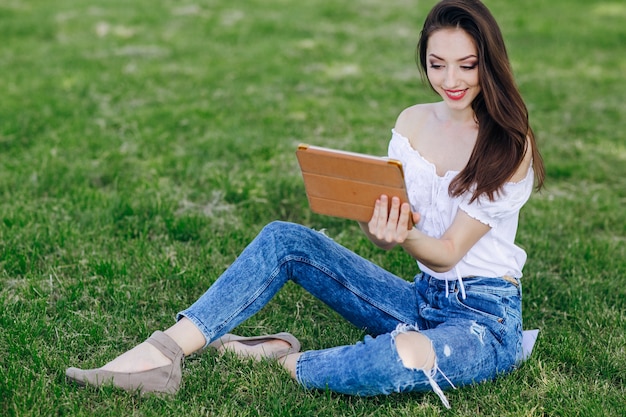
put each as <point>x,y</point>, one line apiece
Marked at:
<point>495,254</point>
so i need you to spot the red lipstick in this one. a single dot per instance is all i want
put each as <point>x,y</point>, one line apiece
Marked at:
<point>455,94</point>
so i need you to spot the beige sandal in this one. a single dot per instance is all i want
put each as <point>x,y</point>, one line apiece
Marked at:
<point>294,343</point>
<point>165,379</point>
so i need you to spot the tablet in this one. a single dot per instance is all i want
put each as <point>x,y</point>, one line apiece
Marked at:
<point>347,184</point>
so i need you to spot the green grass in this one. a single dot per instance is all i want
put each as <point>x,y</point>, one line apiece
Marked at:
<point>144,143</point>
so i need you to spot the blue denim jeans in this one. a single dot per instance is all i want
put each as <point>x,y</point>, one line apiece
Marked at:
<point>474,339</point>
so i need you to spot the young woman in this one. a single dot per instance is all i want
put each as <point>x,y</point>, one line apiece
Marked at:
<point>470,163</point>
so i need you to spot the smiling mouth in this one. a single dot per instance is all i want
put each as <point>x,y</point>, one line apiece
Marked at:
<point>455,94</point>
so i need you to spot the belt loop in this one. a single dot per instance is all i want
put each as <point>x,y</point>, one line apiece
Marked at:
<point>511,280</point>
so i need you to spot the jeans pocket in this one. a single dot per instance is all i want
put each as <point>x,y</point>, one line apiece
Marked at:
<point>488,305</point>
<point>485,309</point>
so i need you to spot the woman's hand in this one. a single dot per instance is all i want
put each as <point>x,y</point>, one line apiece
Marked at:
<point>391,224</point>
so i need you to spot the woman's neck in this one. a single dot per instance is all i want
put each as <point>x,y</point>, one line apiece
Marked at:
<point>460,117</point>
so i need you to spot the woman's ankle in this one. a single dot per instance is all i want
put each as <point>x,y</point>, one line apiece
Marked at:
<point>187,336</point>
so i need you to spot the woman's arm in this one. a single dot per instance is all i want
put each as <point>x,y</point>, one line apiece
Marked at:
<point>444,253</point>
<point>388,228</point>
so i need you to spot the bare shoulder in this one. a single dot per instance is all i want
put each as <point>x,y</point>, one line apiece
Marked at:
<point>522,171</point>
<point>412,119</point>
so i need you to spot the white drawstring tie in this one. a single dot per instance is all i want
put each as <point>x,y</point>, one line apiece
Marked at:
<point>459,278</point>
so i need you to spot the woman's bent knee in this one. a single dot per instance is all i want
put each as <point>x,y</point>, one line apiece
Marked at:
<point>415,350</point>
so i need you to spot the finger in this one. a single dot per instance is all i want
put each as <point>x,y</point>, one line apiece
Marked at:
<point>394,211</point>
<point>403,221</point>
<point>383,211</point>
<point>379,217</point>
<point>392,220</point>
<point>375,213</point>
<point>416,218</point>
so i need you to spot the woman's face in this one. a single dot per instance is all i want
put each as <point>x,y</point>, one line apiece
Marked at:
<point>452,67</point>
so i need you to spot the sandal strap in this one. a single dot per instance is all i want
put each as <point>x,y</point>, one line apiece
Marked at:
<point>166,345</point>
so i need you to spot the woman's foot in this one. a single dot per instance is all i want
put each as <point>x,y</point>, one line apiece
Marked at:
<point>269,349</point>
<point>142,357</point>
<point>273,346</point>
<point>158,368</point>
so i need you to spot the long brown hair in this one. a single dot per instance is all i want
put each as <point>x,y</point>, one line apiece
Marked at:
<point>502,116</point>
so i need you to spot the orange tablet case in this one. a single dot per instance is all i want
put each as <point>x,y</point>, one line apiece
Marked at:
<point>347,184</point>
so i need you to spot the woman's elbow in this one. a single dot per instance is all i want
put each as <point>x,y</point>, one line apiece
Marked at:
<point>447,258</point>
<point>441,264</point>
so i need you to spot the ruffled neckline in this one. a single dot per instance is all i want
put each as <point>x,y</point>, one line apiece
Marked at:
<point>433,167</point>
<point>450,173</point>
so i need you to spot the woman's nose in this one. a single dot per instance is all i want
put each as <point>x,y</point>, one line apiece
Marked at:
<point>451,78</point>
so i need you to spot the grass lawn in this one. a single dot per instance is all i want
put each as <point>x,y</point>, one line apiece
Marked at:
<point>144,143</point>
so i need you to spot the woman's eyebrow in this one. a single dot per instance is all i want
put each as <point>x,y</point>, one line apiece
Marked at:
<point>460,59</point>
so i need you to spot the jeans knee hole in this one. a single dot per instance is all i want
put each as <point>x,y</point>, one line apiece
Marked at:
<point>416,351</point>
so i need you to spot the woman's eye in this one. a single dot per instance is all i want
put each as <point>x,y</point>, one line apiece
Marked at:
<point>469,67</point>
<point>436,66</point>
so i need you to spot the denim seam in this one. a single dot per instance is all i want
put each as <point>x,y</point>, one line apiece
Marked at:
<point>255,296</point>
<point>346,285</point>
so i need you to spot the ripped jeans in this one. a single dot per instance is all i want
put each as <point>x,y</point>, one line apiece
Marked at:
<point>474,339</point>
